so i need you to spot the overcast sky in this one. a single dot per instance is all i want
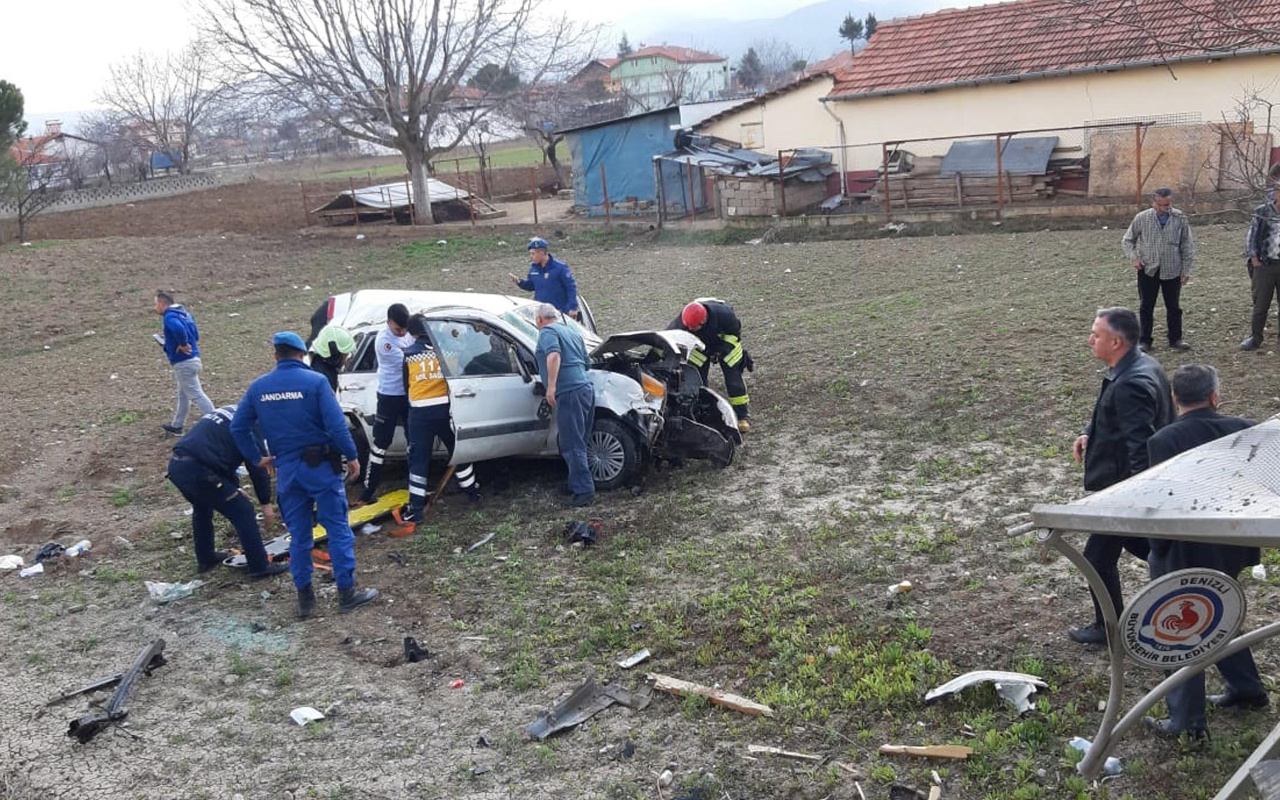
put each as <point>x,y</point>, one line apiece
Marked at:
<point>60,68</point>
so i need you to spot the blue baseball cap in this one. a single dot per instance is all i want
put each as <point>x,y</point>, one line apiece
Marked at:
<point>289,339</point>
<point>538,244</point>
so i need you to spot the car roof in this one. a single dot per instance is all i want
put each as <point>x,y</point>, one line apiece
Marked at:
<point>369,306</point>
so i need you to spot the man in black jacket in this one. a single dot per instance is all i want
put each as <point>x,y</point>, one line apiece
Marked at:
<point>1195,392</point>
<point>1133,404</point>
<point>203,468</point>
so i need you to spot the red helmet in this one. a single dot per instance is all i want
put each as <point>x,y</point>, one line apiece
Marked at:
<point>694,315</point>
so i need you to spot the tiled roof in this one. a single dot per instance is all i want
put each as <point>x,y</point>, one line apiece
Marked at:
<point>836,64</point>
<point>680,55</point>
<point>1028,38</point>
<point>30,152</point>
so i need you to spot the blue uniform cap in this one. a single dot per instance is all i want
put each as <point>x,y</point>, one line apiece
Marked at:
<point>289,339</point>
<point>538,244</point>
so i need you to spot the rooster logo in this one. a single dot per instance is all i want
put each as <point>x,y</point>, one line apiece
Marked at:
<point>1184,619</point>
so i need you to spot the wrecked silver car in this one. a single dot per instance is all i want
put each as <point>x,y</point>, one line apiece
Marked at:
<point>650,401</point>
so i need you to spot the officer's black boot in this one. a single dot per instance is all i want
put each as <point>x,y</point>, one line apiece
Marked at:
<point>351,598</point>
<point>306,602</point>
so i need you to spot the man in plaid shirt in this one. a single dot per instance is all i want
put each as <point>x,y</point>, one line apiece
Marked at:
<point>1158,243</point>
<point>1262,248</point>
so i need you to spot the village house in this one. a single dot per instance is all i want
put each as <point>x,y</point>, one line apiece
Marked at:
<point>661,76</point>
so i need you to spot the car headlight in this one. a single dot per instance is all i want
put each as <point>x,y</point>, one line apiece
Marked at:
<point>653,388</point>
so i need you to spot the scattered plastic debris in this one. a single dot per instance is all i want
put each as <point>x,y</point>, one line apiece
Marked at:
<point>481,543</point>
<point>369,528</point>
<point>413,652</point>
<point>458,684</point>
<point>900,588</point>
<point>82,546</point>
<point>635,658</point>
<point>1260,572</point>
<point>168,592</point>
<point>33,570</point>
<point>48,551</point>
<point>304,714</point>
<point>10,563</point>
<point>581,531</point>
<point>1111,766</point>
<point>1015,687</point>
<point>586,701</point>
<point>359,237</point>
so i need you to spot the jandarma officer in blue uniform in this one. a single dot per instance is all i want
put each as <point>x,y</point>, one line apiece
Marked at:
<point>203,467</point>
<point>551,281</point>
<point>301,419</point>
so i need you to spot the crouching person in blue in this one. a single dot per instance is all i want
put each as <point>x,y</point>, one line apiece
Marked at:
<point>562,361</point>
<point>301,420</point>
<point>203,467</point>
<point>428,394</point>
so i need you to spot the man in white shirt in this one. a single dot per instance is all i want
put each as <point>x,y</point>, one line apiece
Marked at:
<point>393,403</point>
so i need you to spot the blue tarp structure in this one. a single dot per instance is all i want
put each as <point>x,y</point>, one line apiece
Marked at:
<point>626,148</point>
<point>161,160</point>
<point>1023,155</point>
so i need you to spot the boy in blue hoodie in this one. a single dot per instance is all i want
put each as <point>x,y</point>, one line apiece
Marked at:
<point>180,338</point>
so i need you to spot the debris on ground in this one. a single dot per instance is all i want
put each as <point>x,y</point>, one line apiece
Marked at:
<point>457,684</point>
<point>628,749</point>
<point>413,652</point>
<point>481,543</point>
<point>853,773</point>
<point>168,592</point>
<point>665,779</point>
<point>1111,766</point>
<point>899,791</point>
<point>586,701</point>
<point>88,726</point>
<point>48,551</point>
<point>756,750</point>
<point>900,588</point>
<point>31,571</point>
<point>633,659</point>
<point>304,714</point>
<point>582,531</point>
<point>951,751</point>
<point>10,563</point>
<point>82,546</point>
<point>1015,687</point>
<point>680,688</point>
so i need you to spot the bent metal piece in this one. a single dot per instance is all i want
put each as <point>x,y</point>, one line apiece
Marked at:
<point>88,726</point>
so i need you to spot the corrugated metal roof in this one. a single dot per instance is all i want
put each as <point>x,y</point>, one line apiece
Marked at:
<point>1032,37</point>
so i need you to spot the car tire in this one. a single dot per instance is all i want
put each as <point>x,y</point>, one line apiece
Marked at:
<point>613,456</point>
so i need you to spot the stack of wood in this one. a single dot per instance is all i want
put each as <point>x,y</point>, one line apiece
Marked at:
<point>917,190</point>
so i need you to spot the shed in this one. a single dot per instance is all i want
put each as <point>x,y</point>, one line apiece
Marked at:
<point>392,201</point>
<point>618,154</point>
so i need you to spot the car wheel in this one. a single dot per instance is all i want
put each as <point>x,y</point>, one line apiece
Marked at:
<point>612,454</point>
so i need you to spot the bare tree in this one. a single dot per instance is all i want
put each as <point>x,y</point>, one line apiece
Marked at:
<point>165,99</point>
<point>386,71</point>
<point>778,61</point>
<point>1222,25</point>
<point>114,155</point>
<point>33,178</point>
<point>1244,155</point>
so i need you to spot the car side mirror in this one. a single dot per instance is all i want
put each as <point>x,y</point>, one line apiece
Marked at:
<point>539,390</point>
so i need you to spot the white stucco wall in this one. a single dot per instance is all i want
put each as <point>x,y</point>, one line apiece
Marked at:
<point>785,121</point>
<point>1210,89</point>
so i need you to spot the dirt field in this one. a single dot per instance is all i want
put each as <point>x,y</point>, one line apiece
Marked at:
<point>910,396</point>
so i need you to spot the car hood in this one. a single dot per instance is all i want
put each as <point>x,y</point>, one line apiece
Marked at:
<point>677,341</point>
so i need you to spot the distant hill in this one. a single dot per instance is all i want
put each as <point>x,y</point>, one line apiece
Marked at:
<point>813,31</point>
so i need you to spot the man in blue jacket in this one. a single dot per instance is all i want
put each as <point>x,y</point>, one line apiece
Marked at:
<point>563,365</point>
<point>203,467</point>
<point>550,280</point>
<point>180,338</point>
<point>301,419</point>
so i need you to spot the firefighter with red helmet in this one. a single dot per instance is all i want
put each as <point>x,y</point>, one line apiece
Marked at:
<point>714,322</point>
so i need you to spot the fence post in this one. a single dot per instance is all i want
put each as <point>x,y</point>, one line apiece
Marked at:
<point>533,191</point>
<point>306,209</point>
<point>355,207</point>
<point>999,178</point>
<point>604,189</point>
<point>471,210</point>
<point>662,194</point>
<point>408,193</point>
<point>884,176</point>
<point>782,186</point>
<point>693,199</point>
<point>1137,150</point>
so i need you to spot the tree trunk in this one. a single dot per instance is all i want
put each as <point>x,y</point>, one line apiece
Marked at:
<point>555,164</point>
<point>421,194</point>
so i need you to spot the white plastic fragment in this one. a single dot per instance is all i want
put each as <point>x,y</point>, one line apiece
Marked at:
<point>82,546</point>
<point>1111,766</point>
<point>633,659</point>
<point>1260,572</point>
<point>900,588</point>
<point>304,714</point>
<point>10,562</point>
<point>34,569</point>
<point>168,592</point>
